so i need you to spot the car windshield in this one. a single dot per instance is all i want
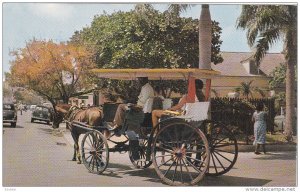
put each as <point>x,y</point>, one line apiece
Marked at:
<point>41,109</point>
<point>8,107</point>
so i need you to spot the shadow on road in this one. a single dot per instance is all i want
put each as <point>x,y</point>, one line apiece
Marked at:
<point>151,176</point>
<point>232,181</point>
<point>9,126</point>
<point>275,156</point>
<point>47,130</point>
<point>39,122</point>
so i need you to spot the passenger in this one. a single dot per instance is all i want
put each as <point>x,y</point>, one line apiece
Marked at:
<point>199,97</point>
<point>158,98</point>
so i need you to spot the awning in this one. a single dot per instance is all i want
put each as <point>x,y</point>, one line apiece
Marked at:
<point>155,74</point>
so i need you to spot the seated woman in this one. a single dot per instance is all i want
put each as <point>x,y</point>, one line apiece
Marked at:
<point>156,114</point>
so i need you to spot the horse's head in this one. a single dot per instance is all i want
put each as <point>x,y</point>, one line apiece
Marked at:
<point>61,111</point>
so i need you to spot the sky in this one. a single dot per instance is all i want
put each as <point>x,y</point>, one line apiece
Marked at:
<point>21,22</point>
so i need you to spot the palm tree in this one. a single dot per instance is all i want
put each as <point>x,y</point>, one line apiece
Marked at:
<point>245,89</point>
<point>266,24</point>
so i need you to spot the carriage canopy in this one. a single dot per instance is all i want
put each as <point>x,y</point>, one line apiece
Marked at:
<point>156,74</point>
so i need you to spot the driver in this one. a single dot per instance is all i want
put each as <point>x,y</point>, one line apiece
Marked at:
<point>146,92</point>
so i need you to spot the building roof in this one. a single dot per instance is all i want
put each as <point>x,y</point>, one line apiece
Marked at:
<point>232,64</point>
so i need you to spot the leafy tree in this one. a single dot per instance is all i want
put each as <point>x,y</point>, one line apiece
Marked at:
<point>174,11</point>
<point>278,76</point>
<point>54,71</point>
<point>142,38</point>
<point>6,92</point>
<point>266,24</point>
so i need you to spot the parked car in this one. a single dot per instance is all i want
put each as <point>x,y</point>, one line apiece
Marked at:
<point>41,113</point>
<point>10,114</point>
<point>32,107</point>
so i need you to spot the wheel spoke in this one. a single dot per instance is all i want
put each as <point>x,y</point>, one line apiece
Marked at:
<point>187,169</point>
<point>91,143</point>
<point>165,163</point>
<point>224,157</point>
<point>195,151</point>
<point>166,150</point>
<point>169,168</point>
<point>100,150</point>
<point>214,163</point>
<point>91,161</point>
<point>199,171</point>
<point>223,145</point>
<point>219,141</point>
<point>175,171</point>
<point>224,151</point>
<point>88,156</point>
<point>97,165</point>
<point>219,161</point>
<point>181,170</point>
<point>99,146</point>
<point>165,144</point>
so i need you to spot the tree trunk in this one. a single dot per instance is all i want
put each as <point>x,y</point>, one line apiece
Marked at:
<point>205,36</point>
<point>290,99</point>
<point>291,57</point>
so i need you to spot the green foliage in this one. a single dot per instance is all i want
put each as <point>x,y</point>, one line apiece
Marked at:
<point>278,76</point>
<point>144,38</point>
<point>245,89</point>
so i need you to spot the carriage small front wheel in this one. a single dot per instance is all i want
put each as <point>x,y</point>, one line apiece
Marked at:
<point>94,152</point>
<point>180,154</point>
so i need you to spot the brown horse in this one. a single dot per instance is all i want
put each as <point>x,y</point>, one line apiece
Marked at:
<point>92,116</point>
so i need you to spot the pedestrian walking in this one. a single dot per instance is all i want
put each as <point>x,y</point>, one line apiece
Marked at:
<point>260,128</point>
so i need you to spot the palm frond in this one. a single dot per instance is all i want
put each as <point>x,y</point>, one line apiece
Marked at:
<point>174,10</point>
<point>267,39</point>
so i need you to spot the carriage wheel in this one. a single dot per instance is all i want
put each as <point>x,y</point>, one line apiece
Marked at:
<point>180,154</point>
<point>223,148</point>
<point>94,151</point>
<point>141,162</point>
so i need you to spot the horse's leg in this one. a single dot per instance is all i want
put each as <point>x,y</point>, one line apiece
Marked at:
<point>74,139</point>
<point>75,136</point>
<point>74,155</point>
<point>78,152</point>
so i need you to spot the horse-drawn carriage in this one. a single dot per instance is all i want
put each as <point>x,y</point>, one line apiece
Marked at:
<point>183,149</point>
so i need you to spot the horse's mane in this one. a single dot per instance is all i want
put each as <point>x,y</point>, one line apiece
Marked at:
<point>63,107</point>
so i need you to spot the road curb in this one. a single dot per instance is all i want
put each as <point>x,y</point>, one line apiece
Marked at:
<point>269,147</point>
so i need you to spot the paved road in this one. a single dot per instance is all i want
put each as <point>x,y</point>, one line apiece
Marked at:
<point>34,156</point>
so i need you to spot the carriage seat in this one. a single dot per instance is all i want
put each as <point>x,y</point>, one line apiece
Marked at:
<point>167,103</point>
<point>197,111</point>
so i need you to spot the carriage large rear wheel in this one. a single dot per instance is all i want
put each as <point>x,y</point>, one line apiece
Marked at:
<point>180,154</point>
<point>223,148</point>
<point>94,152</point>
